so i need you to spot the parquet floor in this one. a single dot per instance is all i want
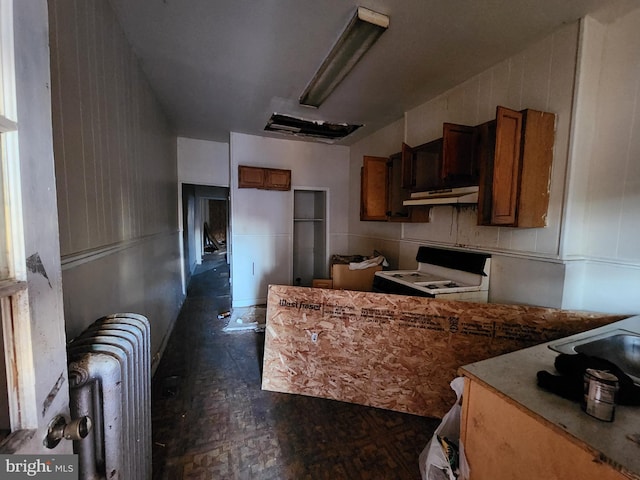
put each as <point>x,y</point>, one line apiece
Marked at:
<point>211,420</point>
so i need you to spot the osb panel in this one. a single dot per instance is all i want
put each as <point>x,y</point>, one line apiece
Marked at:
<point>392,351</point>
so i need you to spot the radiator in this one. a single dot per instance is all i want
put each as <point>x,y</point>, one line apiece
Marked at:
<point>110,381</point>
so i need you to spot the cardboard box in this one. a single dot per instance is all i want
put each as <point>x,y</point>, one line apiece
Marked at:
<point>346,279</point>
<point>322,283</point>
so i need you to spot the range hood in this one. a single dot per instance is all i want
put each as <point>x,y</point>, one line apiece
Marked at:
<point>445,196</point>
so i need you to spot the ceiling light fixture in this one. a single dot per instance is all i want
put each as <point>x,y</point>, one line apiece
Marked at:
<point>363,30</point>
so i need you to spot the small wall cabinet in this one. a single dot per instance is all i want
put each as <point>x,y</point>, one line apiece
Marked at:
<point>264,178</point>
<point>382,194</point>
<point>426,169</point>
<point>515,155</point>
<point>396,211</point>
<point>459,160</point>
<point>447,162</point>
<point>374,191</point>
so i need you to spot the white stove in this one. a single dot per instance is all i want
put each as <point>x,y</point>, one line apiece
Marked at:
<point>441,273</point>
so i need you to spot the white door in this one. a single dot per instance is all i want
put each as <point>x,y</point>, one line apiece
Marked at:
<point>35,388</point>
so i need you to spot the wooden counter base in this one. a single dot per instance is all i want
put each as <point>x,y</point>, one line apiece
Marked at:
<point>504,441</point>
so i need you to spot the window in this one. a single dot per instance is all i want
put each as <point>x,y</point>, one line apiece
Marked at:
<point>17,403</point>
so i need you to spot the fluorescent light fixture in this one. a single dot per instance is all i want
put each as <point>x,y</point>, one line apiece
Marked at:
<point>363,30</point>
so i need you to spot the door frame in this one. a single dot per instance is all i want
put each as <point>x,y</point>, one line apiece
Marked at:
<point>327,222</point>
<point>33,323</point>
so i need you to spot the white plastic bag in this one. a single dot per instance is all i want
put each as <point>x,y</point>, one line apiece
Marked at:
<point>434,463</point>
<point>370,262</point>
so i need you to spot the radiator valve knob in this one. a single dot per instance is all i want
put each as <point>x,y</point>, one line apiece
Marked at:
<point>76,429</point>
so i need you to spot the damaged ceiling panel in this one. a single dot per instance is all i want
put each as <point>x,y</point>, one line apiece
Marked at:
<point>300,127</point>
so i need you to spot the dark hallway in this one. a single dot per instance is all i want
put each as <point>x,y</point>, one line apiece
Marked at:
<point>211,420</point>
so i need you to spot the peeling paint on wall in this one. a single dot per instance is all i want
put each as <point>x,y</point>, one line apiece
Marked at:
<point>52,394</point>
<point>35,265</point>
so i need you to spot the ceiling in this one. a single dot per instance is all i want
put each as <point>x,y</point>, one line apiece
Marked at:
<point>221,66</point>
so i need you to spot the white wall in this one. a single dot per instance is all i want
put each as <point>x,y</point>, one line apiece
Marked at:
<point>202,162</point>
<point>612,222</point>
<point>116,174</point>
<point>262,220</point>
<point>603,221</point>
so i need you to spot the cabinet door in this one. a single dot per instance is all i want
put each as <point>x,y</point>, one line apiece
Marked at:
<point>250,177</point>
<point>459,165</point>
<point>485,153</point>
<point>428,166</point>
<point>374,193</point>
<point>506,167</point>
<point>535,176</point>
<point>515,155</point>
<point>277,179</point>
<point>408,166</point>
<point>396,211</point>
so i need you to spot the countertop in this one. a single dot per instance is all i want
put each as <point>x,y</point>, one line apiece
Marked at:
<point>513,375</point>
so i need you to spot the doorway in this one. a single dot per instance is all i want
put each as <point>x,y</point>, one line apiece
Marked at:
<point>216,213</point>
<point>205,224</point>
<point>310,258</point>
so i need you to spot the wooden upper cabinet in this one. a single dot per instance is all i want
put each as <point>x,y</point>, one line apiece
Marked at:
<point>277,179</point>
<point>382,193</point>
<point>446,162</point>
<point>428,166</point>
<point>485,154</point>
<point>506,167</point>
<point>250,177</point>
<point>264,178</point>
<point>374,194</point>
<point>398,193</point>
<point>408,170</point>
<point>537,161</point>
<point>515,153</point>
<point>459,163</point>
